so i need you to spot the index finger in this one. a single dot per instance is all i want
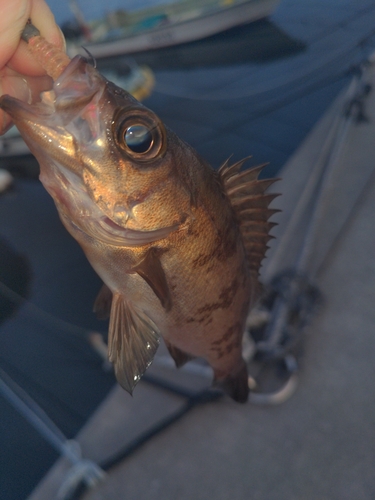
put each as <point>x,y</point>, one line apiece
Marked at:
<point>14,16</point>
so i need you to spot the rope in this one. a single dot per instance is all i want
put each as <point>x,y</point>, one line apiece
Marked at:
<point>83,470</point>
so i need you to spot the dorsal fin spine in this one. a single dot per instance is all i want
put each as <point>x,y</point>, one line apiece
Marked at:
<point>224,166</point>
<point>251,174</point>
<point>254,201</point>
<point>258,214</point>
<point>250,202</point>
<point>229,171</point>
<point>257,187</point>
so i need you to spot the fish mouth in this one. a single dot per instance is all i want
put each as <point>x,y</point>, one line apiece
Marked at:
<point>64,116</point>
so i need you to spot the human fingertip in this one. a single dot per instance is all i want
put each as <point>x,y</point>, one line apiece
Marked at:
<point>43,18</point>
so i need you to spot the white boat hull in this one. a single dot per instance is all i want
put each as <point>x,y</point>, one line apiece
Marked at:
<point>181,32</point>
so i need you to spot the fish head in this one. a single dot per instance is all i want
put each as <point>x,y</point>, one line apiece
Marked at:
<point>114,171</point>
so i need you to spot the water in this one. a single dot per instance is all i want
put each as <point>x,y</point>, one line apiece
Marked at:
<point>255,90</point>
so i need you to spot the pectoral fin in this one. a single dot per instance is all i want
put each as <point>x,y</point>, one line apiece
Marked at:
<point>102,304</point>
<point>151,270</point>
<point>132,342</point>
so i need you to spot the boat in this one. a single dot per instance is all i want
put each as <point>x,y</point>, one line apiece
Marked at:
<point>324,236</point>
<point>122,32</point>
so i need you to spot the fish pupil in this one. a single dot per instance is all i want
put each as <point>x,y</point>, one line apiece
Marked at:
<point>138,138</point>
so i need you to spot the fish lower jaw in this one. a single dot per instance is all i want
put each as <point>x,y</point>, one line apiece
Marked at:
<point>98,229</point>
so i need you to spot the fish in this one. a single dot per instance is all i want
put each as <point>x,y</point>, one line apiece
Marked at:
<point>177,244</point>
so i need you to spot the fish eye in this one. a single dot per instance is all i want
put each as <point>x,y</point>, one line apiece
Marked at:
<point>140,134</point>
<point>138,138</point>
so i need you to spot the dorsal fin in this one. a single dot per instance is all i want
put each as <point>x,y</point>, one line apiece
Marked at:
<point>247,195</point>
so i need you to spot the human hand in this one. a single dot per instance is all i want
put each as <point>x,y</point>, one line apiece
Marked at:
<point>20,75</point>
